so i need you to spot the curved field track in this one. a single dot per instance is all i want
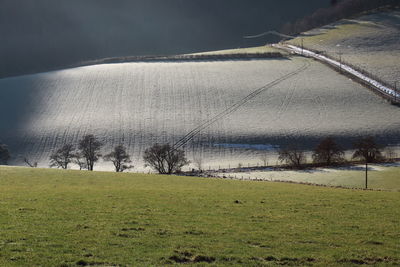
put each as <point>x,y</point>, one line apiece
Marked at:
<point>209,108</point>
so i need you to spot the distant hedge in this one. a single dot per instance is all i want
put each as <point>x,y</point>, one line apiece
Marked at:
<point>192,57</point>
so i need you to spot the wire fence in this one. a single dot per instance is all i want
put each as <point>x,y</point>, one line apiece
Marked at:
<point>393,98</point>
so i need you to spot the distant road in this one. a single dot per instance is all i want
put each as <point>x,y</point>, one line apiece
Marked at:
<point>384,90</point>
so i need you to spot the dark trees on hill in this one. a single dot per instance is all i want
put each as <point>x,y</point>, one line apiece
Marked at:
<point>120,158</point>
<point>339,10</point>
<point>293,156</point>
<point>165,159</point>
<point>328,152</point>
<point>89,148</point>
<point>367,150</point>
<point>4,154</point>
<point>62,157</point>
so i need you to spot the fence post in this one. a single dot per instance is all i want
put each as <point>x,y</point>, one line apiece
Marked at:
<point>366,174</point>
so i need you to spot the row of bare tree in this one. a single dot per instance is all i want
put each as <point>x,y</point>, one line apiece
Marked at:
<point>328,153</point>
<point>167,160</point>
<point>88,153</point>
<point>162,158</point>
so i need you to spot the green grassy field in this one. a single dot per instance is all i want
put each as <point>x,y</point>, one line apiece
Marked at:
<point>69,218</point>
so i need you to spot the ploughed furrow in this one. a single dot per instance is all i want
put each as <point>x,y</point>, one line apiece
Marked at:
<point>189,136</point>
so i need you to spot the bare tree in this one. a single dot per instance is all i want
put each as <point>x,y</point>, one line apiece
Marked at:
<point>390,154</point>
<point>165,159</point>
<point>120,158</point>
<point>198,162</point>
<point>62,157</point>
<point>80,161</point>
<point>89,147</point>
<point>293,156</point>
<point>30,164</point>
<point>328,152</point>
<point>4,154</point>
<point>367,150</point>
<point>264,158</point>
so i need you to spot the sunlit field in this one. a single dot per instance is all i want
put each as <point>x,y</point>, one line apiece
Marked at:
<point>226,105</point>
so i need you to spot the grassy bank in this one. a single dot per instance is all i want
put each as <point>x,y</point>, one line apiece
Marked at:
<point>68,218</point>
<point>380,176</point>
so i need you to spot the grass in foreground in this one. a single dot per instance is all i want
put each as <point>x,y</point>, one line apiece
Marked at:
<point>68,218</point>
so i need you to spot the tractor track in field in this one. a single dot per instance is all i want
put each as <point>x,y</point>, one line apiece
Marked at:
<point>189,136</point>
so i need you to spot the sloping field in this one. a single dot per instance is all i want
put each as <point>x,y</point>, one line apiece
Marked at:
<point>371,42</point>
<point>72,218</point>
<point>226,103</point>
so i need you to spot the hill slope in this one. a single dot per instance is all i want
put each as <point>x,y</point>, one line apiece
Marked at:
<point>139,104</point>
<point>370,42</point>
<point>39,35</point>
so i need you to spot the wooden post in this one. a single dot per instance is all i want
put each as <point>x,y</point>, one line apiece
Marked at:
<point>366,174</point>
<point>302,46</point>
<point>340,61</point>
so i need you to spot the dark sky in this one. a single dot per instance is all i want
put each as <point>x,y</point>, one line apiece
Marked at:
<point>42,34</point>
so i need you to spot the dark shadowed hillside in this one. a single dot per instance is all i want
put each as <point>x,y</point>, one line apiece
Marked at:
<point>38,35</point>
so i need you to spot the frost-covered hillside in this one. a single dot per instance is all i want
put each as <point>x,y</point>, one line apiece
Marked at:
<point>370,42</point>
<point>138,104</point>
